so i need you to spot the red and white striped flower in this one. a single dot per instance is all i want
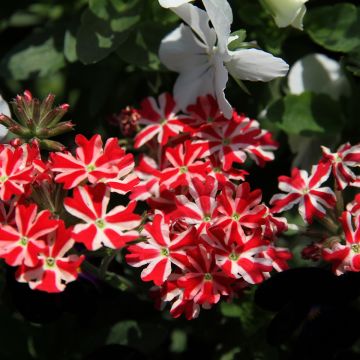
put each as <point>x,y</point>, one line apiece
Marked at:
<point>204,282</point>
<point>184,165</point>
<point>160,250</point>
<point>100,227</point>
<point>341,161</point>
<point>305,191</point>
<point>54,269</point>
<point>15,172</point>
<point>224,176</point>
<point>231,141</point>
<point>149,174</point>
<point>92,163</point>
<point>345,257</point>
<point>125,179</point>
<point>239,210</point>
<point>240,260</point>
<point>354,207</point>
<point>279,257</point>
<point>200,210</point>
<point>160,120</point>
<point>204,111</point>
<point>20,243</point>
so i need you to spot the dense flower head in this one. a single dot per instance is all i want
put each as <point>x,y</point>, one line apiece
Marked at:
<point>204,235</point>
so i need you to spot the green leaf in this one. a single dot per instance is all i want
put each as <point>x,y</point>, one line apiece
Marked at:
<point>99,8</point>
<point>124,23</point>
<point>104,26</point>
<point>145,337</point>
<point>306,114</point>
<point>178,341</point>
<point>335,27</point>
<point>38,55</point>
<point>70,46</point>
<point>141,48</point>
<point>235,44</point>
<point>124,333</point>
<point>230,310</point>
<point>96,39</point>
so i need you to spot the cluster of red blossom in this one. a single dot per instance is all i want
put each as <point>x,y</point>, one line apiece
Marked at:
<point>206,235</point>
<point>209,236</point>
<point>340,244</point>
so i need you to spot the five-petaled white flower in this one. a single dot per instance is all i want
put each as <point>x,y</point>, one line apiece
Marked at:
<point>200,54</point>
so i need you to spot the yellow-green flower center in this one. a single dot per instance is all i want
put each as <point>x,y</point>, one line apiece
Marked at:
<point>100,223</point>
<point>164,252</point>
<point>207,218</point>
<point>235,216</point>
<point>24,240</point>
<point>208,277</point>
<point>355,248</point>
<point>50,261</point>
<point>90,167</point>
<point>233,256</point>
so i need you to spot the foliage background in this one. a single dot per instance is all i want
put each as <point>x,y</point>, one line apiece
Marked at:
<point>101,55</point>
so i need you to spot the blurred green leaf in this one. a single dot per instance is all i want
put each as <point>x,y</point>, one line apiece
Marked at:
<point>141,48</point>
<point>103,28</point>
<point>70,46</point>
<point>145,337</point>
<point>178,341</point>
<point>124,333</point>
<point>40,54</point>
<point>306,114</point>
<point>230,310</point>
<point>335,27</point>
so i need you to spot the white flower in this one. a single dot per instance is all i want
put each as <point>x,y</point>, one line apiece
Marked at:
<point>199,53</point>
<point>172,3</point>
<point>287,12</point>
<point>4,109</point>
<point>319,74</point>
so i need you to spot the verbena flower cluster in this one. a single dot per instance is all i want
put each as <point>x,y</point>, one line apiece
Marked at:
<point>205,235</point>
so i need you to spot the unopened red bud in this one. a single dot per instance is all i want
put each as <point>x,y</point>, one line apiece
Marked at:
<point>312,252</point>
<point>5,120</point>
<point>27,95</point>
<point>64,107</point>
<point>127,120</point>
<point>16,142</point>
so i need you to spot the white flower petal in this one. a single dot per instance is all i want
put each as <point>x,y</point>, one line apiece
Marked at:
<point>319,74</point>
<point>221,17</point>
<point>198,81</point>
<point>198,20</point>
<point>4,109</point>
<point>256,65</point>
<point>172,3</point>
<point>181,50</point>
<point>221,79</point>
